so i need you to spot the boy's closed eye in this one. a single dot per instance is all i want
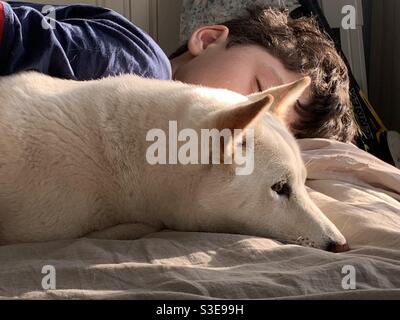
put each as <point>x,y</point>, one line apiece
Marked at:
<point>259,89</point>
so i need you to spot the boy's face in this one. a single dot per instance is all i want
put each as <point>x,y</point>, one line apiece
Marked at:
<point>243,69</point>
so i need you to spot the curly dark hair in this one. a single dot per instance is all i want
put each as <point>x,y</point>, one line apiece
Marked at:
<point>304,48</point>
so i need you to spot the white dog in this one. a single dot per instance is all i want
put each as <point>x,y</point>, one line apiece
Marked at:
<point>72,163</point>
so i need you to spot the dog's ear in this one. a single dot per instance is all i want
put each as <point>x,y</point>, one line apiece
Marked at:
<point>238,119</point>
<point>244,114</point>
<point>285,96</point>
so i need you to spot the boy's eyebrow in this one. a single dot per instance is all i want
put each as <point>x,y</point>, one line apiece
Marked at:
<point>277,76</point>
<point>298,103</point>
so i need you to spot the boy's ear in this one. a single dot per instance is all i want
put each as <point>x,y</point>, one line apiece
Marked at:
<point>237,120</point>
<point>203,37</point>
<point>285,96</point>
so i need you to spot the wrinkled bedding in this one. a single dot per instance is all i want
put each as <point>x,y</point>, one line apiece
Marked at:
<point>358,192</point>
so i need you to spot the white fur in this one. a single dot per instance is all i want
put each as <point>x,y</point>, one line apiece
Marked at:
<point>72,164</point>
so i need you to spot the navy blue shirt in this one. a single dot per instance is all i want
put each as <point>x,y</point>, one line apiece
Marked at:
<point>83,42</point>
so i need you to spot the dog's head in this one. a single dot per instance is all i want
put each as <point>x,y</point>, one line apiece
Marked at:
<point>271,199</point>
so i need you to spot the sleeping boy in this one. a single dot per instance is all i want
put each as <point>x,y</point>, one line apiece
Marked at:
<point>264,48</point>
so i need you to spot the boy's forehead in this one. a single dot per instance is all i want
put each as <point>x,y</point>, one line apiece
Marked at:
<point>264,61</point>
<point>268,63</point>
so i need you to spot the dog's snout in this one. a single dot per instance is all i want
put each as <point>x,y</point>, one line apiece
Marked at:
<point>336,247</point>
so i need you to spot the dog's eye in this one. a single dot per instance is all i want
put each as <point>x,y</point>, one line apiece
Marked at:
<point>282,188</point>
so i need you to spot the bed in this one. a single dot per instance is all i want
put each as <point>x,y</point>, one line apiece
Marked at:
<point>358,192</point>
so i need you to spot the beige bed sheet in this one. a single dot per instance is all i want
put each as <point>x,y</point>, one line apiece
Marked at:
<point>358,192</point>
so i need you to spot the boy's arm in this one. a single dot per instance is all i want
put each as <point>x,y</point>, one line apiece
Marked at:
<point>82,42</point>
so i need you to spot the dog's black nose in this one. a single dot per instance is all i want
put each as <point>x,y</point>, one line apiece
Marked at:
<point>336,247</point>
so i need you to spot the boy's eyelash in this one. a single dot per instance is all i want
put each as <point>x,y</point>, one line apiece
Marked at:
<point>258,85</point>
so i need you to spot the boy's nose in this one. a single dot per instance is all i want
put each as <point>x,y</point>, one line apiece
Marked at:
<point>336,247</point>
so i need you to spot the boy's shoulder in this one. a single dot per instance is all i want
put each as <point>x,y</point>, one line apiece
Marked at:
<point>80,42</point>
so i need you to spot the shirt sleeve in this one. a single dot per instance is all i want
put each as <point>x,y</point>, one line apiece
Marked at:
<point>78,42</point>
